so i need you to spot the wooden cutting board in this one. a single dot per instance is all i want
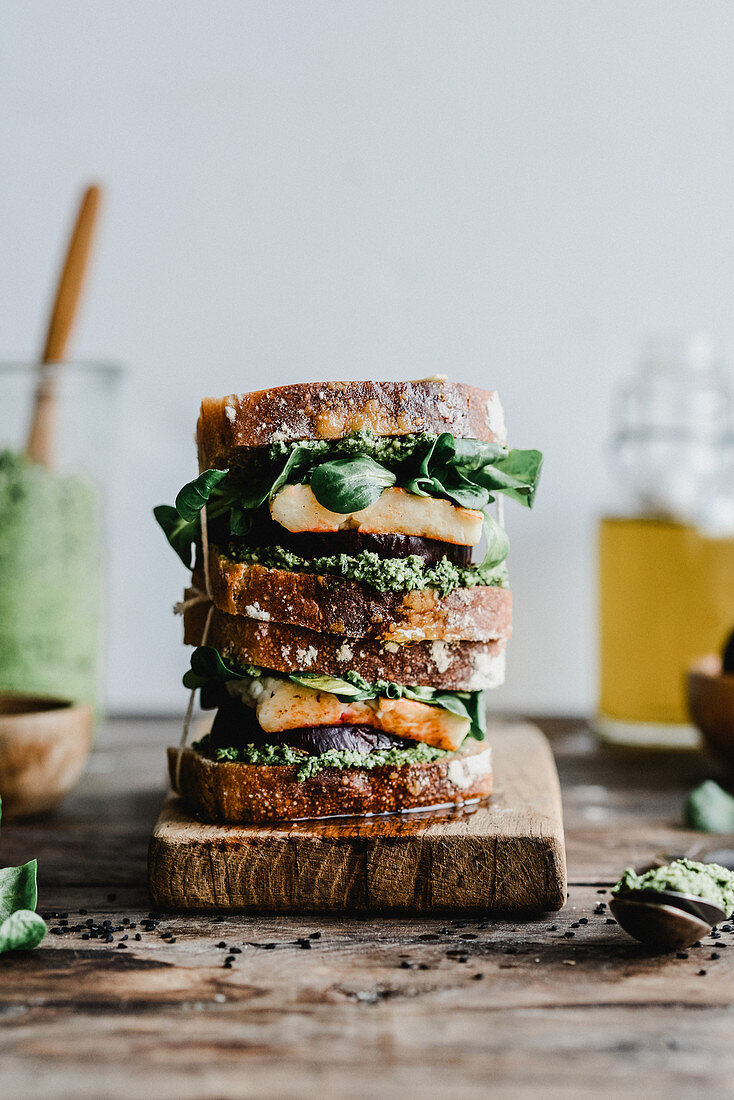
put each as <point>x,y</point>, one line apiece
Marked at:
<point>506,854</point>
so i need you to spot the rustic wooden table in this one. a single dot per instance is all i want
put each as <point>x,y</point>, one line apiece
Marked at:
<point>171,1006</point>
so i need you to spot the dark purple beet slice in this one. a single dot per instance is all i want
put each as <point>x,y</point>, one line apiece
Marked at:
<point>318,739</point>
<point>310,545</point>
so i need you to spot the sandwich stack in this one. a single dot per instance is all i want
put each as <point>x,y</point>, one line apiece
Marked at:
<point>349,603</point>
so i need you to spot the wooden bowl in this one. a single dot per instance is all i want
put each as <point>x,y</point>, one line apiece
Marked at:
<point>711,703</point>
<point>44,745</point>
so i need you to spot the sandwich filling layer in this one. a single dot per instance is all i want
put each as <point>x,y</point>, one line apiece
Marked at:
<point>396,513</point>
<point>262,716</point>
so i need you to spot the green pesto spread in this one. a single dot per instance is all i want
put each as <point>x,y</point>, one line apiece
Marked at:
<point>332,758</point>
<point>684,876</point>
<point>383,574</point>
<point>388,450</point>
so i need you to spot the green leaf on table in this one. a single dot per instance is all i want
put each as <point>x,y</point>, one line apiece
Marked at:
<point>709,809</point>
<point>20,927</point>
<point>350,484</point>
<point>17,888</point>
<point>21,931</point>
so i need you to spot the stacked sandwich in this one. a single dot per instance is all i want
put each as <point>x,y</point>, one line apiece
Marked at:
<point>349,601</point>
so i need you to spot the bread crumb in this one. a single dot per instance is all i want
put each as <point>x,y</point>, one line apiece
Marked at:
<point>254,611</point>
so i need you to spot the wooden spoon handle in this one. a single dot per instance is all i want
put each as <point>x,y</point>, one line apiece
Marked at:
<point>41,435</point>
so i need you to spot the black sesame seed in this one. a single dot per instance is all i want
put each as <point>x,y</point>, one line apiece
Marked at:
<point>229,959</point>
<point>304,943</point>
<point>583,920</point>
<point>569,935</point>
<point>406,965</point>
<point>460,923</point>
<point>423,966</point>
<point>576,924</point>
<point>55,931</point>
<point>108,939</point>
<point>227,964</point>
<point>477,977</point>
<point>468,936</point>
<point>123,938</point>
<point>715,955</point>
<point>85,935</point>
<point>697,943</point>
<point>122,945</point>
<point>510,951</point>
<point>235,950</point>
<point>221,944</point>
<point>171,939</point>
<point>701,973</point>
<point>716,935</point>
<point>681,955</point>
<point>601,891</point>
<point>315,936</point>
<point>610,920</point>
<point>138,937</point>
<point>269,946</point>
<point>552,927</point>
<point>82,912</point>
<point>463,958</point>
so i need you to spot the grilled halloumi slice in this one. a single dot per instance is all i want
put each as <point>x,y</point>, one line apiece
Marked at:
<point>397,512</point>
<point>283,705</point>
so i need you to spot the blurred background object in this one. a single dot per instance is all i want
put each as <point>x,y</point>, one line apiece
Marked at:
<point>508,193</point>
<point>666,570</point>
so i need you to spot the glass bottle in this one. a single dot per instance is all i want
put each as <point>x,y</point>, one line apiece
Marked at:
<point>52,533</point>
<point>666,561</point>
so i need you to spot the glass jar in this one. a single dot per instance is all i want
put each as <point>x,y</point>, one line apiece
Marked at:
<point>52,532</point>
<point>666,577</point>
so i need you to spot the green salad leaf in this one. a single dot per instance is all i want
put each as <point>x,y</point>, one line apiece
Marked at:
<point>21,931</point>
<point>709,809</point>
<point>350,484</point>
<point>20,926</point>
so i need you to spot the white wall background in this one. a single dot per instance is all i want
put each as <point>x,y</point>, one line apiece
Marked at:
<point>508,192</point>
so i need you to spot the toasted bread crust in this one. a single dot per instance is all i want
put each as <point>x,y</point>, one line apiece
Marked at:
<point>237,794</point>
<point>338,606</point>
<point>331,410</point>
<point>455,666</point>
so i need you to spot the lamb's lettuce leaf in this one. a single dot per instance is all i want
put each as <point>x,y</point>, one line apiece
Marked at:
<point>20,926</point>
<point>350,484</point>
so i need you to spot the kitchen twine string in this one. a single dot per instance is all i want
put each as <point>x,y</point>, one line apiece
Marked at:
<point>206,597</point>
<point>196,599</point>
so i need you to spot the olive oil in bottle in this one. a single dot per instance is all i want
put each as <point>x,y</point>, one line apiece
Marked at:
<point>666,570</point>
<point>666,598</point>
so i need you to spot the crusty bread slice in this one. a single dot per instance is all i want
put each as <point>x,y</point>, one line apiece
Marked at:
<point>338,606</point>
<point>230,425</point>
<point>232,793</point>
<point>454,666</point>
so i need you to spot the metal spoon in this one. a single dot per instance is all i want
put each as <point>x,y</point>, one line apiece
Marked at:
<point>663,927</point>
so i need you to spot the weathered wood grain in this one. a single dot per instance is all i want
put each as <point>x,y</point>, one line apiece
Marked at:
<point>355,1015</point>
<point>506,854</point>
